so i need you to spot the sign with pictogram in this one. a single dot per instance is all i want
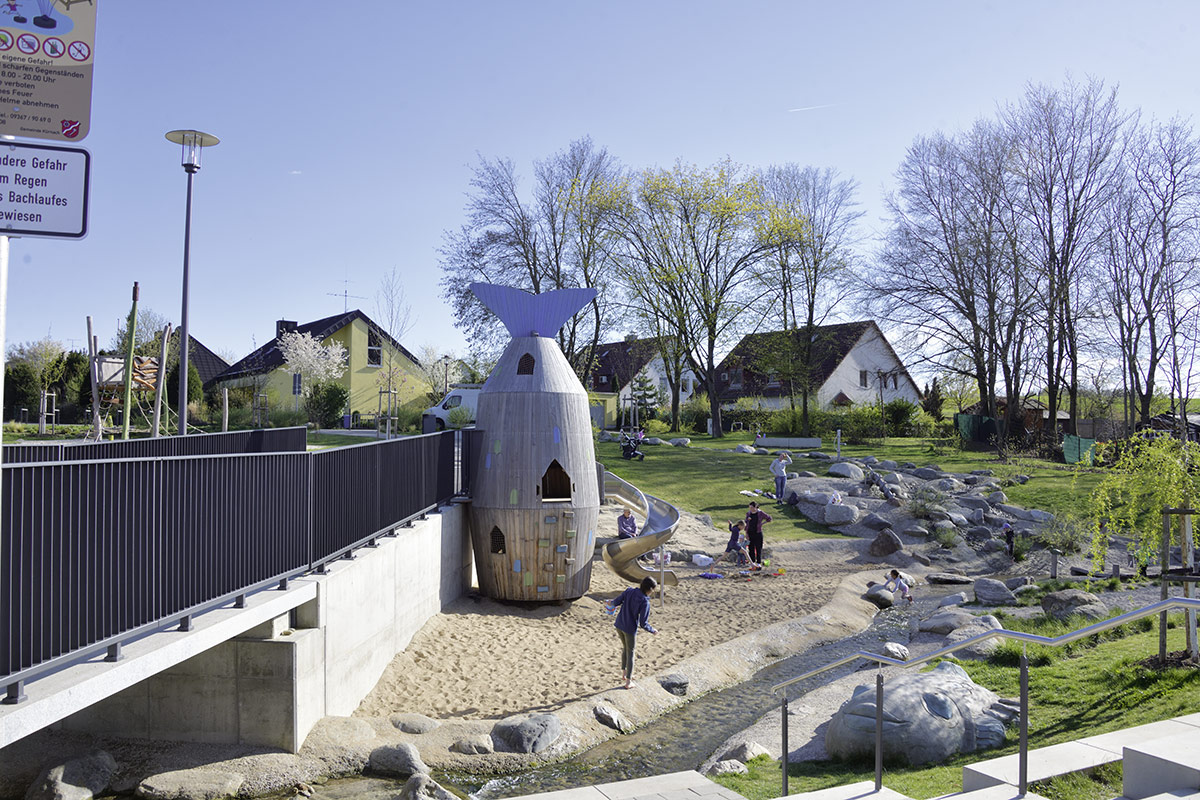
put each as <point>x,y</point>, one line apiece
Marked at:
<point>46,51</point>
<point>43,190</point>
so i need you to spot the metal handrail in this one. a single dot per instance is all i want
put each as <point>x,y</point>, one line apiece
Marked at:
<point>1161,607</point>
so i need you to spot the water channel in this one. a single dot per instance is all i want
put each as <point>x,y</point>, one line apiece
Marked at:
<point>679,740</point>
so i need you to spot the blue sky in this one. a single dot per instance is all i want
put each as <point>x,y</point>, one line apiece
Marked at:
<point>348,129</point>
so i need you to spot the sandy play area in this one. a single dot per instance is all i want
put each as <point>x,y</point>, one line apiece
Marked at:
<point>481,659</point>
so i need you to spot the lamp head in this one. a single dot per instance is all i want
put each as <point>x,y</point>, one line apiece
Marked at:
<point>192,142</point>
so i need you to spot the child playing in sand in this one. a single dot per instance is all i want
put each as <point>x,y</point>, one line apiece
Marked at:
<point>735,550</point>
<point>900,587</point>
<point>634,603</point>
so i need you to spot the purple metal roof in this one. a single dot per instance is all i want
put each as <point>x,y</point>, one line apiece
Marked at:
<point>526,314</point>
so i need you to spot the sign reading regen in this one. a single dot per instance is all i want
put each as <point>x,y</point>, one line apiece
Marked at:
<point>43,190</point>
<point>46,63</point>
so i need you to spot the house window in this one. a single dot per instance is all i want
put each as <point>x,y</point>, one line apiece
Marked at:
<point>603,379</point>
<point>895,381</point>
<point>556,484</point>
<point>862,378</point>
<point>773,379</point>
<point>525,365</point>
<point>374,350</point>
<point>735,378</point>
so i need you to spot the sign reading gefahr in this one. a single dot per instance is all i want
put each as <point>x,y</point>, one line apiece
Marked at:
<point>46,63</point>
<point>43,190</point>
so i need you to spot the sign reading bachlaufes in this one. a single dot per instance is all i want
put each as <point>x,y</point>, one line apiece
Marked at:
<point>46,52</point>
<point>44,190</point>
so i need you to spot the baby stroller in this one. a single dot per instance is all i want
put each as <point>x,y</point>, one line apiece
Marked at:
<point>629,446</point>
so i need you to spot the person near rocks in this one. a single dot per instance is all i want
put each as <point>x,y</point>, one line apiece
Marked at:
<point>634,613</point>
<point>1010,539</point>
<point>896,584</point>
<point>626,525</point>
<point>756,518</point>
<point>779,470</point>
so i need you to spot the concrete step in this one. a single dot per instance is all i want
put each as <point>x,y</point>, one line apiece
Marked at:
<point>1162,765</point>
<point>1178,794</point>
<point>1044,763</point>
<point>998,792</point>
<point>852,791</point>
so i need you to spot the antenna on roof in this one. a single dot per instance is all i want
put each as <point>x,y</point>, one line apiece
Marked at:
<point>345,295</point>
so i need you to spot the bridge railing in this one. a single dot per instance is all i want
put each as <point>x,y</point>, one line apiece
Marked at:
<point>267,440</point>
<point>97,553</point>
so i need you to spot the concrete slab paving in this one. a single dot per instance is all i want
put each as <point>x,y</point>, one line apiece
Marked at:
<point>686,785</point>
<point>1002,792</point>
<point>1045,762</point>
<point>1162,765</point>
<point>852,791</point>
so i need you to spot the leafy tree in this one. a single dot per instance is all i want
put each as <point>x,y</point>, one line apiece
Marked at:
<point>44,359</point>
<point>646,395</point>
<point>325,403</point>
<point>147,335</point>
<point>20,389</point>
<point>195,385</point>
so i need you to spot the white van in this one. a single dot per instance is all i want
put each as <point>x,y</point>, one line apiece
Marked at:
<point>464,396</point>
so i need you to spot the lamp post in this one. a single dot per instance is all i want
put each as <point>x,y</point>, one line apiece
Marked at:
<point>446,359</point>
<point>192,142</point>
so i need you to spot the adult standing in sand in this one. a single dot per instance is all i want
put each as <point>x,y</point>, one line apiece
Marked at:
<point>779,470</point>
<point>634,603</point>
<point>756,518</point>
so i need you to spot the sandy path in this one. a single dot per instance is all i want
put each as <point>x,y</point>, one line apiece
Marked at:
<point>483,659</point>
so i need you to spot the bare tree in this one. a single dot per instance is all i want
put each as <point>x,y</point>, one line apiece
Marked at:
<point>1067,154</point>
<point>556,238</point>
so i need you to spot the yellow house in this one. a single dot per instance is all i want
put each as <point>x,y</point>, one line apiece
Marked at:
<point>371,355</point>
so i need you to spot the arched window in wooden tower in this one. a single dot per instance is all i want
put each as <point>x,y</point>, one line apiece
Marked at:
<point>497,540</point>
<point>556,484</point>
<point>525,365</point>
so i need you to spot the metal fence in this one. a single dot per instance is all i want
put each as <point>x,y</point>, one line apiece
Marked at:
<point>269,440</point>
<point>95,553</point>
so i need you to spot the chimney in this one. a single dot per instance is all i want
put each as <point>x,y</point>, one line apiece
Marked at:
<point>284,326</point>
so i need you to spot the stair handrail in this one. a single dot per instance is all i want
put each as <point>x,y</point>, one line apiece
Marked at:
<point>1161,607</point>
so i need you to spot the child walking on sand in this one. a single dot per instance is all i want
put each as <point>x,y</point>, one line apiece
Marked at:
<point>634,603</point>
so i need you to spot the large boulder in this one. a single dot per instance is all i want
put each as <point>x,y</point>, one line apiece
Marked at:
<point>613,718</point>
<point>927,473</point>
<point>945,621</point>
<point>953,600</point>
<point>521,734</point>
<point>744,751</point>
<point>840,514</point>
<point>979,650</point>
<point>413,723</point>
<point>77,779</point>
<point>1037,515</point>
<point>928,717</point>
<point>478,744</point>
<point>399,760</point>
<point>743,448</point>
<point>1067,602</point>
<point>730,767</point>
<point>844,469</point>
<point>881,597</point>
<point>894,650</point>
<point>201,783</point>
<point>886,543</point>
<point>876,522</point>
<point>974,501</point>
<point>682,441</point>
<point>991,592</point>
<point>423,787</point>
<point>676,683</point>
<point>948,579</point>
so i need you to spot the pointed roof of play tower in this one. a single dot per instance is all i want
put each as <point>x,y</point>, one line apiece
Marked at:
<point>526,314</point>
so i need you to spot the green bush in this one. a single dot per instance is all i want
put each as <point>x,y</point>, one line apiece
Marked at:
<point>459,417</point>
<point>693,415</point>
<point>285,418</point>
<point>924,500</point>
<point>325,404</point>
<point>858,424</point>
<point>656,427</point>
<point>408,416</point>
<point>900,415</point>
<point>1066,533</point>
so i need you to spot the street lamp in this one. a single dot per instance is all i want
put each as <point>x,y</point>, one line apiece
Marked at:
<point>446,360</point>
<point>192,142</point>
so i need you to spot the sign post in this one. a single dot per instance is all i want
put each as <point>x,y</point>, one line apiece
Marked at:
<point>46,71</point>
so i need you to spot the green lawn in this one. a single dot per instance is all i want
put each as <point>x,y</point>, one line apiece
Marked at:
<point>1087,690</point>
<point>703,480</point>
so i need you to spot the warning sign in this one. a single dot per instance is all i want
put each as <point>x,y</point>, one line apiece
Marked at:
<point>46,49</point>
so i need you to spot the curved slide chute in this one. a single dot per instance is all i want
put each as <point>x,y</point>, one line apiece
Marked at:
<point>661,518</point>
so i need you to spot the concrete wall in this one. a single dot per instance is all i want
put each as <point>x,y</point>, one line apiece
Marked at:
<point>270,685</point>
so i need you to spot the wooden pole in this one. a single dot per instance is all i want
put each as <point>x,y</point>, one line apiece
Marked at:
<point>1189,561</point>
<point>131,331</point>
<point>224,408</point>
<point>161,379</point>
<point>97,425</point>
<point>1162,579</point>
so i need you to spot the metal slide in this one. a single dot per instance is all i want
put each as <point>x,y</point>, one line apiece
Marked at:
<point>661,518</point>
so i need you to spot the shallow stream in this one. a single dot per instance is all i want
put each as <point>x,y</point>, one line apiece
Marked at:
<point>679,740</point>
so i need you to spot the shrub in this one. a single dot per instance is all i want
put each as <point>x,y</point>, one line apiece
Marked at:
<point>751,412</point>
<point>924,500</point>
<point>1066,533</point>
<point>286,418</point>
<point>408,416</point>
<point>325,403</point>
<point>693,415</point>
<point>459,417</point>
<point>900,414</point>
<point>947,538</point>
<point>859,425</point>
<point>655,427</point>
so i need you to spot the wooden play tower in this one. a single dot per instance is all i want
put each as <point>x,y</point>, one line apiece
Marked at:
<point>535,495</point>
